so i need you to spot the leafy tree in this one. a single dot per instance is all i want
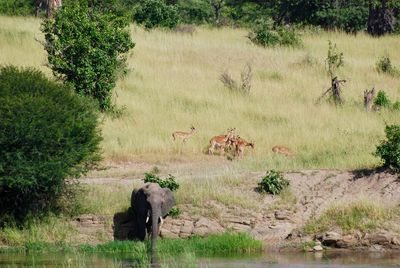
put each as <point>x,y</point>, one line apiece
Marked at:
<point>87,49</point>
<point>17,7</point>
<point>155,13</point>
<point>48,136</point>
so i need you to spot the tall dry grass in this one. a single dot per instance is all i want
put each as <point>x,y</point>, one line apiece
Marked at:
<point>173,83</point>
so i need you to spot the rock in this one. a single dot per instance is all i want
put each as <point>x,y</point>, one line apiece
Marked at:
<point>318,243</point>
<point>168,234</point>
<point>330,239</point>
<point>237,227</point>
<point>347,241</point>
<point>376,248</point>
<point>380,238</point>
<point>186,229</point>
<point>238,220</point>
<point>396,241</point>
<point>282,215</point>
<point>205,227</point>
<point>318,248</point>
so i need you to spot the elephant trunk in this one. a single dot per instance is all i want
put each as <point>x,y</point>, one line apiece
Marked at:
<point>155,215</point>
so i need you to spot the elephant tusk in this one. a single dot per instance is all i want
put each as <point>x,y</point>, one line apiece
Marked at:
<point>162,221</point>
<point>147,219</point>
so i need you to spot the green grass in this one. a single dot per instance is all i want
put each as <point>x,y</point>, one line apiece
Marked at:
<point>363,216</point>
<point>179,74</point>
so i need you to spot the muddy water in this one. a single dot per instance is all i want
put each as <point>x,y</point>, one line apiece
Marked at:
<point>276,260</point>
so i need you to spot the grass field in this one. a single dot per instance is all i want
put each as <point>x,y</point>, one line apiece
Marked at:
<point>173,83</point>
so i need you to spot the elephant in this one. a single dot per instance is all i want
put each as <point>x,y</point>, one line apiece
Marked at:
<point>150,204</point>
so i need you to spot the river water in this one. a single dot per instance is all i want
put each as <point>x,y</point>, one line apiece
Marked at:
<point>278,260</point>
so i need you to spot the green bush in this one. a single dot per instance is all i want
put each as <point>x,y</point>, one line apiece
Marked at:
<point>174,212</point>
<point>164,183</point>
<point>264,33</point>
<point>382,100</point>
<point>396,105</point>
<point>194,11</point>
<point>273,183</point>
<point>384,65</point>
<point>389,149</point>
<point>48,137</point>
<point>155,13</point>
<point>17,7</point>
<point>86,49</point>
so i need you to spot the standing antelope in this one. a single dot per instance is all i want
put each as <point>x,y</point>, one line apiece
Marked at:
<point>183,135</point>
<point>221,141</point>
<point>240,145</point>
<point>282,150</point>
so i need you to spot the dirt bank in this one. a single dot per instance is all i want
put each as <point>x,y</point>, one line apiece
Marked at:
<point>278,221</point>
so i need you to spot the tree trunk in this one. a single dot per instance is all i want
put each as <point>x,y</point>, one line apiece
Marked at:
<point>381,20</point>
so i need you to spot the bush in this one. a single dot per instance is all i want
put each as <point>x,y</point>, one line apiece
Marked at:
<point>194,11</point>
<point>17,7</point>
<point>86,50</point>
<point>384,65</point>
<point>155,13</point>
<point>48,136</point>
<point>273,183</point>
<point>264,33</point>
<point>389,149</point>
<point>382,100</point>
<point>164,183</point>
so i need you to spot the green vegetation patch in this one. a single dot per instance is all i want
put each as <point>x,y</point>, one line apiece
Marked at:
<point>356,216</point>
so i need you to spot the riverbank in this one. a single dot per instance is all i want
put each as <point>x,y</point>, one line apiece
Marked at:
<point>360,207</point>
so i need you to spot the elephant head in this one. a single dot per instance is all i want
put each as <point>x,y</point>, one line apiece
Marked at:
<point>150,203</point>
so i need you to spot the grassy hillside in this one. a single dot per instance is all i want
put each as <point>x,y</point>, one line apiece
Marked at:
<point>173,83</point>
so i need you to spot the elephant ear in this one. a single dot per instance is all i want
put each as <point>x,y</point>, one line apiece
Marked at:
<point>168,201</point>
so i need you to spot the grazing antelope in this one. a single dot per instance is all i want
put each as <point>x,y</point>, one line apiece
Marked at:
<point>240,145</point>
<point>183,135</point>
<point>282,150</point>
<point>221,141</point>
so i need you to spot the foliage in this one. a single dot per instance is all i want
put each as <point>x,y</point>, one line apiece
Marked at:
<point>389,149</point>
<point>86,50</point>
<point>47,135</point>
<point>384,65</point>
<point>273,183</point>
<point>17,7</point>
<point>382,100</point>
<point>155,13</point>
<point>334,59</point>
<point>174,212</point>
<point>164,183</point>
<point>361,216</point>
<point>266,34</point>
<point>194,11</point>
<point>396,105</point>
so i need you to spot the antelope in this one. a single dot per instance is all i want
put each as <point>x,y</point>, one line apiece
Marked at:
<point>184,135</point>
<point>240,144</point>
<point>221,141</point>
<point>282,150</point>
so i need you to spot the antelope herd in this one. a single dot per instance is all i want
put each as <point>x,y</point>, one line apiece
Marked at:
<point>230,142</point>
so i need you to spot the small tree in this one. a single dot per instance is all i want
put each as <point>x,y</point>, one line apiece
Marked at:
<point>48,136</point>
<point>86,49</point>
<point>155,13</point>
<point>389,149</point>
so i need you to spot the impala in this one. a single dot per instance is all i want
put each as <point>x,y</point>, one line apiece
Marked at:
<point>240,144</point>
<point>282,150</point>
<point>221,141</point>
<point>184,136</point>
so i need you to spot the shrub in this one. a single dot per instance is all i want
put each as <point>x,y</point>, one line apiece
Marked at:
<point>384,65</point>
<point>86,49</point>
<point>48,136</point>
<point>174,212</point>
<point>382,100</point>
<point>396,105</point>
<point>389,149</point>
<point>194,11</point>
<point>264,33</point>
<point>273,183</point>
<point>17,7</point>
<point>155,13</point>
<point>164,183</point>
<point>334,60</point>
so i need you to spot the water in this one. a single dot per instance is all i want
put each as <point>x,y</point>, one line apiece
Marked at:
<point>273,260</point>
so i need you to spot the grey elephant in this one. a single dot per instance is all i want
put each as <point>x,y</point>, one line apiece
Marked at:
<point>150,204</point>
